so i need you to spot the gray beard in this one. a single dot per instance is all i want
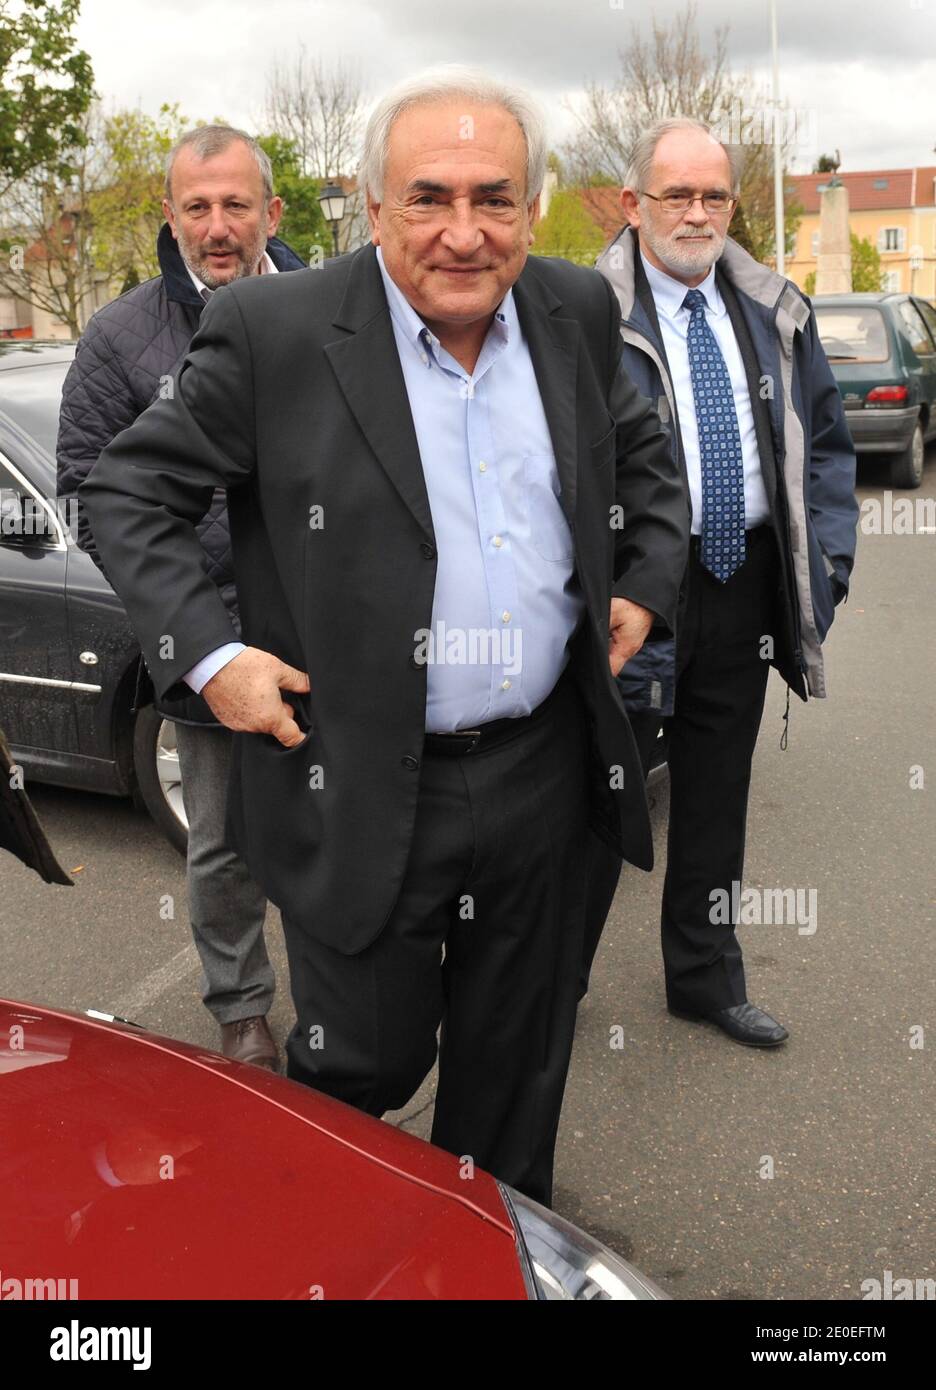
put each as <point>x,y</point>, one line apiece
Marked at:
<point>249,259</point>
<point>697,261</point>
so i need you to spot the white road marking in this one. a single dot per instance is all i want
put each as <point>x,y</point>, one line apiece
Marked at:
<point>158,982</point>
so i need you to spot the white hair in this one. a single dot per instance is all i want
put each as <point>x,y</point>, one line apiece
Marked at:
<point>641,156</point>
<point>442,85</point>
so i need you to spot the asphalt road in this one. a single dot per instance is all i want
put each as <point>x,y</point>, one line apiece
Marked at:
<point>668,1126</point>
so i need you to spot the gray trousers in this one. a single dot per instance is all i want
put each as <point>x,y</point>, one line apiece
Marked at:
<point>226,908</point>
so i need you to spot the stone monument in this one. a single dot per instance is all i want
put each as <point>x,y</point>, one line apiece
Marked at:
<point>833,266</point>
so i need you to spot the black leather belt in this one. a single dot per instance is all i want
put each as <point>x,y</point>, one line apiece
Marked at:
<point>463,741</point>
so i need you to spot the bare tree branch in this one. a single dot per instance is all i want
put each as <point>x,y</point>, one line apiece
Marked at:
<point>670,74</point>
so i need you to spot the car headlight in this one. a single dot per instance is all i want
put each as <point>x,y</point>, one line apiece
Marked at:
<point>561,1262</point>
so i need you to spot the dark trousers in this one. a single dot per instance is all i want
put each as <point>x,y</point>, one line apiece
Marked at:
<point>485,939</point>
<point>721,667</point>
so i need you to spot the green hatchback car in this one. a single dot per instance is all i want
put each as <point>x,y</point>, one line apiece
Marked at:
<point>882,350</point>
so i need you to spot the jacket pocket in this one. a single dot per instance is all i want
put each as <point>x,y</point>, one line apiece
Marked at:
<point>823,599</point>
<point>302,713</point>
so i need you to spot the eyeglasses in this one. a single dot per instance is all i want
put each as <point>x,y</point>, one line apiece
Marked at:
<point>677,202</point>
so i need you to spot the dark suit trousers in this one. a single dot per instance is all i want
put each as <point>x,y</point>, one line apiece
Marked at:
<point>485,939</point>
<point>721,683</point>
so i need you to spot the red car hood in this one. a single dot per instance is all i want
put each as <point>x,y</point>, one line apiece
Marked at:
<point>141,1167</point>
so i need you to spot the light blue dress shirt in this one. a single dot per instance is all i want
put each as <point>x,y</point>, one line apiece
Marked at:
<point>506,599</point>
<point>668,295</point>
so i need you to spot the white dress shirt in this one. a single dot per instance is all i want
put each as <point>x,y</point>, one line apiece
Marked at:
<point>668,295</point>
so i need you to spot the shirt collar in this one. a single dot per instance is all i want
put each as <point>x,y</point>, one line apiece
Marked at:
<point>415,331</point>
<point>266,267</point>
<point>669,293</point>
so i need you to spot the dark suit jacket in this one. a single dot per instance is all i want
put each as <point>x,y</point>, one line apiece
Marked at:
<point>292,397</point>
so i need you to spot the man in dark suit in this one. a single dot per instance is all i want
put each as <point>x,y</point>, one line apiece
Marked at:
<point>452,510</point>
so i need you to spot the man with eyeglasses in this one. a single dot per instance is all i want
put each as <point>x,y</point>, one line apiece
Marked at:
<point>729,352</point>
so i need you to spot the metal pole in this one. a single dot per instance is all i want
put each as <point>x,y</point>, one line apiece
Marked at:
<point>778,153</point>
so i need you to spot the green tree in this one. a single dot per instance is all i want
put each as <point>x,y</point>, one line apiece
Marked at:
<point>867,275</point>
<point>125,201</point>
<point>303,226</point>
<point>46,86</point>
<point>568,231</point>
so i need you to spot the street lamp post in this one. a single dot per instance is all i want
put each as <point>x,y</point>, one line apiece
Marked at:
<point>778,153</point>
<point>332,203</point>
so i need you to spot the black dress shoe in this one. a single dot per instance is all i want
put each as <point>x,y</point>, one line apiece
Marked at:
<point>745,1023</point>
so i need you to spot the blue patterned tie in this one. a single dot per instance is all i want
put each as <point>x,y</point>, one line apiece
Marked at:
<point>722,548</point>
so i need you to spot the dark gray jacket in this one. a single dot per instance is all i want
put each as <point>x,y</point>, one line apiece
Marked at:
<point>127,357</point>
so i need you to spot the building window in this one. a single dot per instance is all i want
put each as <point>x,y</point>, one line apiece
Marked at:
<point>879,183</point>
<point>891,281</point>
<point>814,244</point>
<point>892,239</point>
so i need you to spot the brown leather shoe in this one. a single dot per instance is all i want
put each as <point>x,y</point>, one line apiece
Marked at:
<point>250,1040</point>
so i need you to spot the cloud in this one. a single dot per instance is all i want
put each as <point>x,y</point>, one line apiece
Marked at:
<point>856,66</point>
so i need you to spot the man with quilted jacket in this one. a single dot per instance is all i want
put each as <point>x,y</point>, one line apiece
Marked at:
<point>221,217</point>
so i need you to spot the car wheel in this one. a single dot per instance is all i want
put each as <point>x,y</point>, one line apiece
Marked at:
<point>907,467</point>
<point>158,778</point>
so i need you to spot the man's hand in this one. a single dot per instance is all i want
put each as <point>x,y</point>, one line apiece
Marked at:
<point>245,695</point>
<point>627,631</point>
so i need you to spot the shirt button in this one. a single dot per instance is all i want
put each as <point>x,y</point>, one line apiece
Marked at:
<point>482,467</point>
<point>428,550</point>
<point>505,616</point>
<point>505,685</point>
<point>497,541</point>
<point>410,762</point>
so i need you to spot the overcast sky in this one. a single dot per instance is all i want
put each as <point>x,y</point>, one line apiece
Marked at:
<point>861,76</point>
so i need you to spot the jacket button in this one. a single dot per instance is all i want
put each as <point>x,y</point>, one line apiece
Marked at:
<point>410,762</point>
<point>428,550</point>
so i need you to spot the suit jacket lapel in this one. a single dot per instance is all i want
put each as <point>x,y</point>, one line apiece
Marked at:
<point>367,366</point>
<point>553,343</point>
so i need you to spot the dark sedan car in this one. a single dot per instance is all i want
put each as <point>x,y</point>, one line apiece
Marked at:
<point>75,701</point>
<point>882,349</point>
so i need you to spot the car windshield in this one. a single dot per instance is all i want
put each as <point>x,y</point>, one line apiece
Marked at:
<point>30,397</point>
<point>855,333</point>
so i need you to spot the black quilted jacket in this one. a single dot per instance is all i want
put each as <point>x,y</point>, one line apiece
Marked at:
<point>126,357</point>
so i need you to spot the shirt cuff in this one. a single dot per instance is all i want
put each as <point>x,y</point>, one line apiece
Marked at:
<point>211,664</point>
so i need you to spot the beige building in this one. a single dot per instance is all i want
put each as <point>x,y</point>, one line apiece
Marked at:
<point>894,209</point>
